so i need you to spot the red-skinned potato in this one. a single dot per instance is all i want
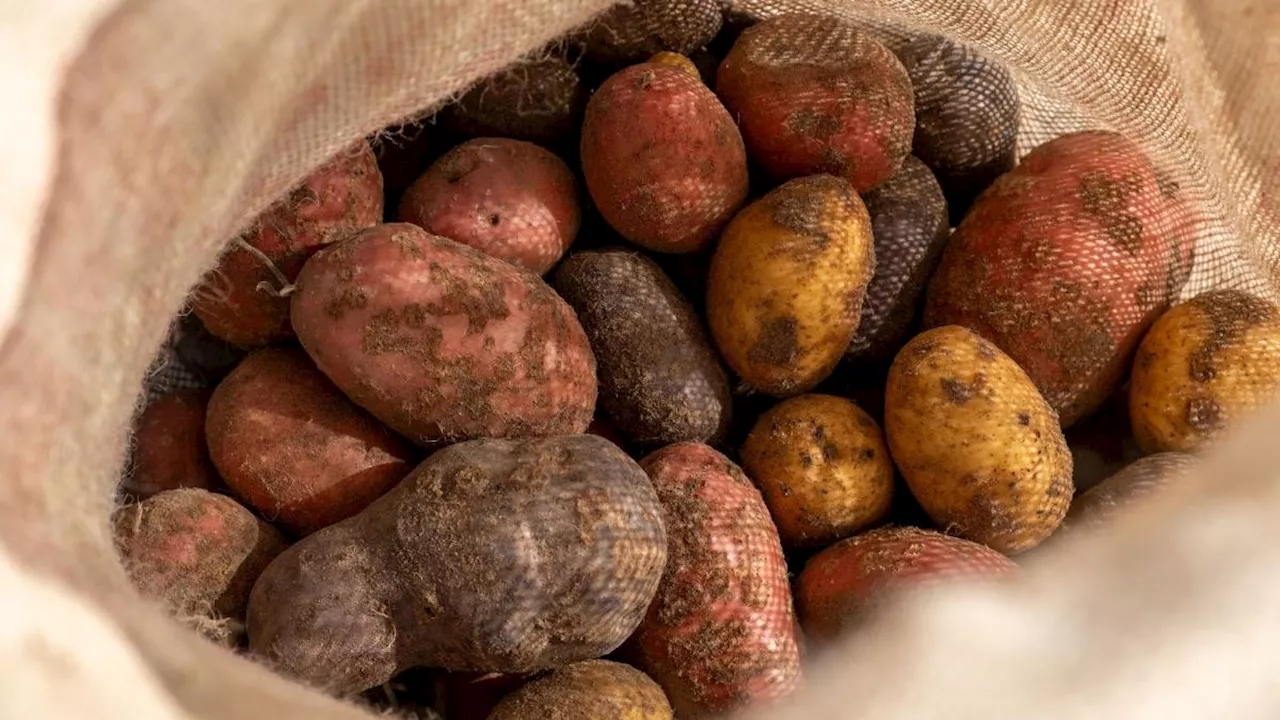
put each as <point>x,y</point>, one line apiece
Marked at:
<point>244,300</point>
<point>169,451</point>
<point>442,342</point>
<point>721,632</point>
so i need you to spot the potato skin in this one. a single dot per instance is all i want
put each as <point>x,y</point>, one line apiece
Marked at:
<point>660,380</point>
<point>437,574</point>
<point>509,199</point>
<point>1204,366</point>
<point>823,468</point>
<point>590,690</point>
<point>241,300</point>
<point>1100,504</point>
<point>1063,263</point>
<point>721,632</point>
<point>842,585</point>
<point>169,451</point>
<point>539,101</point>
<point>677,61</point>
<point>815,94</point>
<point>977,444</point>
<point>787,281</point>
<point>630,32</point>
<point>662,158</point>
<point>294,448</point>
<point>442,342</point>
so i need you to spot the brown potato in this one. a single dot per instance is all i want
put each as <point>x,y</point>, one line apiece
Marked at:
<point>632,31</point>
<point>976,442</point>
<point>539,101</point>
<point>823,468</point>
<point>591,690</point>
<point>1148,476</point>
<point>786,285</point>
<point>1203,367</point>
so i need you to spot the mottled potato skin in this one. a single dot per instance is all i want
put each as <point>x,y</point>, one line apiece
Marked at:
<point>630,32</point>
<point>492,555</point>
<point>721,632</point>
<point>539,101</point>
<point>842,585</point>
<point>1204,366</point>
<point>591,690</point>
<point>662,158</point>
<point>242,300</point>
<point>1105,501</point>
<point>1063,263</point>
<point>169,451</point>
<point>509,199</point>
<point>785,289</point>
<point>660,381</point>
<point>823,467</point>
<point>977,444</point>
<point>442,342</point>
<point>815,94</point>
<point>294,448</point>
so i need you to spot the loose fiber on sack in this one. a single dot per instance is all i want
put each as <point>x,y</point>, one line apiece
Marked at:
<point>151,131</point>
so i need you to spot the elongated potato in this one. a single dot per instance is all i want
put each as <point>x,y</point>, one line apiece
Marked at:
<point>590,690</point>
<point>785,290</point>
<point>976,442</point>
<point>1204,366</point>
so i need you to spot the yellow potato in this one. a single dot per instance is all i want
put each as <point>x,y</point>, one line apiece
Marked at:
<point>677,61</point>
<point>823,468</point>
<point>591,690</point>
<point>785,289</point>
<point>976,442</point>
<point>1205,364</point>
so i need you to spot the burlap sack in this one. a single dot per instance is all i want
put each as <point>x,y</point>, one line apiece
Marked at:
<point>138,135</point>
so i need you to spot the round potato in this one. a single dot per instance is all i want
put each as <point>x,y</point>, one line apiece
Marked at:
<point>1202,367</point>
<point>785,289</point>
<point>822,466</point>
<point>591,690</point>
<point>976,442</point>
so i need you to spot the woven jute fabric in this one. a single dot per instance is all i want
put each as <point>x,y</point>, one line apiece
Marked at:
<point>139,135</point>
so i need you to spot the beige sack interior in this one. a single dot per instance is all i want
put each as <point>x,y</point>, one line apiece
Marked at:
<point>141,134</point>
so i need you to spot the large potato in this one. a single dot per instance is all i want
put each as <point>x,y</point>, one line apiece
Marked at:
<point>976,442</point>
<point>591,690</point>
<point>442,342</point>
<point>1204,366</point>
<point>785,290</point>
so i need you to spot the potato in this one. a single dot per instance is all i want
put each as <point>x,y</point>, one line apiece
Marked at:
<point>842,586</point>
<point>815,94</point>
<point>677,61</point>
<point>721,632</point>
<point>493,555</point>
<point>294,448</point>
<point>1100,504</point>
<point>509,199</point>
<point>976,442</point>
<point>631,31</point>
<point>967,115</point>
<point>662,158</point>
<point>204,356</point>
<point>1204,366</point>
<point>909,224</point>
<point>660,381</point>
<point>1063,263</point>
<point>539,100</point>
<point>823,467</point>
<point>442,342</point>
<point>198,553</point>
<point>245,299</point>
<point>168,446</point>
<point>787,280</point>
<point>591,690</point>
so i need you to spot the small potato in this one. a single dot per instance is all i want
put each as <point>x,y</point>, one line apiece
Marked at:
<point>509,199</point>
<point>245,299</point>
<point>815,94</point>
<point>787,281</point>
<point>539,101</point>
<point>721,633</point>
<point>823,467</point>
<point>662,158</point>
<point>169,451</point>
<point>591,690</point>
<point>660,380</point>
<point>1203,367</point>
<point>1103,502</point>
<point>442,342</point>
<point>677,61</point>
<point>976,442</point>
<point>294,448</point>
<point>632,31</point>
<point>841,586</point>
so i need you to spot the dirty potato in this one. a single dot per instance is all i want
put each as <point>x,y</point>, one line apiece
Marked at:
<point>590,690</point>
<point>1204,366</point>
<point>785,289</point>
<point>823,468</point>
<point>976,442</point>
<point>539,100</point>
<point>631,31</point>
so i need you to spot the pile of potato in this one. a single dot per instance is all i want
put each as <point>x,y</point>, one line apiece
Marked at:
<point>654,363</point>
